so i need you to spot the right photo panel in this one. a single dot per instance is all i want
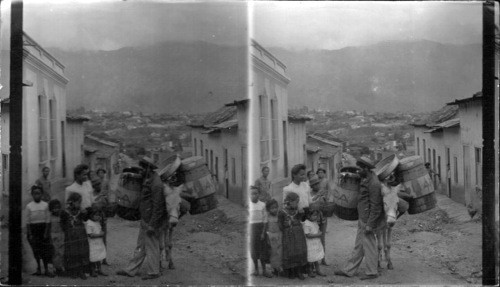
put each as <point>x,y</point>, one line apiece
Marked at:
<point>365,143</point>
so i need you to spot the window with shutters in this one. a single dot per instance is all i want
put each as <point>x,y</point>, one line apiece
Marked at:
<point>264,130</point>
<point>274,131</point>
<point>43,134</point>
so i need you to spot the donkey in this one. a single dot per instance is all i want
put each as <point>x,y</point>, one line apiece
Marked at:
<point>177,206</point>
<point>395,204</point>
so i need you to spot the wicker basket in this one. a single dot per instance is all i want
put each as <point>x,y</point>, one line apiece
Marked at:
<point>327,209</point>
<point>386,166</point>
<point>423,203</point>
<point>346,213</point>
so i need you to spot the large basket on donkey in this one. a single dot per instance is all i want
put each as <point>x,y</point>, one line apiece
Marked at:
<point>128,193</point>
<point>199,184</point>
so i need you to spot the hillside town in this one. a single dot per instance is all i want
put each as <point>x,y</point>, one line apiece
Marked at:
<point>257,191</point>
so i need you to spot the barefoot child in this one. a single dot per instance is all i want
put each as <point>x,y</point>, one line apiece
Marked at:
<point>294,240</point>
<point>258,246</point>
<point>271,227</point>
<point>315,252</point>
<point>97,248</point>
<point>38,231</point>
<point>76,245</point>
<point>57,235</point>
<point>319,198</point>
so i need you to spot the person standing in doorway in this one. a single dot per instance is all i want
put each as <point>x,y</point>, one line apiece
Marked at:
<point>45,184</point>
<point>371,217</point>
<point>432,173</point>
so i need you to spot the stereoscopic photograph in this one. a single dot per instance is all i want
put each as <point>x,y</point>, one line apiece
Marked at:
<point>155,142</point>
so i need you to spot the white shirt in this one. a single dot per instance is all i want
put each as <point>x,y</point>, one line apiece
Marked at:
<point>257,212</point>
<point>37,212</point>
<point>303,190</point>
<point>85,190</point>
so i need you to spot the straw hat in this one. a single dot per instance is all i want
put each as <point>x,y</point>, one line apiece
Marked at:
<point>366,161</point>
<point>314,180</point>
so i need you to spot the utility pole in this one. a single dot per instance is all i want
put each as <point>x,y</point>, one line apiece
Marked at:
<point>490,252</point>
<point>16,140</point>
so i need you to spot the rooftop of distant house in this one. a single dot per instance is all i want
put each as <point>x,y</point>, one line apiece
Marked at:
<point>447,116</point>
<point>223,118</point>
<point>326,137</point>
<point>476,97</point>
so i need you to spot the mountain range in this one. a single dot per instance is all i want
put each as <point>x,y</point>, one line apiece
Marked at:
<point>200,77</point>
<point>165,78</point>
<point>390,76</point>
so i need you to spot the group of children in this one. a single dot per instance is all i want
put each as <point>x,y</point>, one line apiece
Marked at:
<point>66,240</point>
<point>288,239</point>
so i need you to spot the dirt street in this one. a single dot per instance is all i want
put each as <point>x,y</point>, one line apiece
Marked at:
<point>428,249</point>
<point>209,248</point>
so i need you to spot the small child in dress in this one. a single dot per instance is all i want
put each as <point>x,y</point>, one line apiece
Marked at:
<point>271,227</point>
<point>57,235</point>
<point>38,231</point>
<point>294,240</point>
<point>258,246</point>
<point>97,249</point>
<point>315,251</point>
<point>76,245</point>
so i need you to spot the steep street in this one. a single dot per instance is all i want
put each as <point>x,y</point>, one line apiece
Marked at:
<point>428,249</point>
<point>209,248</point>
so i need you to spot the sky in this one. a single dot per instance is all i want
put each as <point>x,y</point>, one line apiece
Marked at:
<point>113,24</point>
<point>335,25</point>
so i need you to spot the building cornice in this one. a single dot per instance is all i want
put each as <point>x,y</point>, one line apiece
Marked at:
<point>37,46</point>
<point>39,64</point>
<point>266,52</point>
<point>263,66</point>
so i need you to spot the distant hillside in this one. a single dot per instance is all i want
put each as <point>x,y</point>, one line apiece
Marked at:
<point>168,77</point>
<point>178,77</point>
<point>390,76</point>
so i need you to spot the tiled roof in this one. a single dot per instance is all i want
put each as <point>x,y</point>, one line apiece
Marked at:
<point>292,116</point>
<point>221,115</point>
<point>223,118</point>
<point>102,141</point>
<point>238,102</point>
<point>444,125</point>
<point>77,118</point>
<point>312,148</point>
<point>444,114</point>
<point>326,136</point>
<point>476,96</point>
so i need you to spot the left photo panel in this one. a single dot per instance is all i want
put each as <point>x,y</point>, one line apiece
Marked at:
<point>125,145</point>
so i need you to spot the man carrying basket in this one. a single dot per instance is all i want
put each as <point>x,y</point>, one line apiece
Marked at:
<point>153,215</point>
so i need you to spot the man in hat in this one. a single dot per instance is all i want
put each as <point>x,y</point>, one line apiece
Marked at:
<point>371,218</point>
<point>153,214</point>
